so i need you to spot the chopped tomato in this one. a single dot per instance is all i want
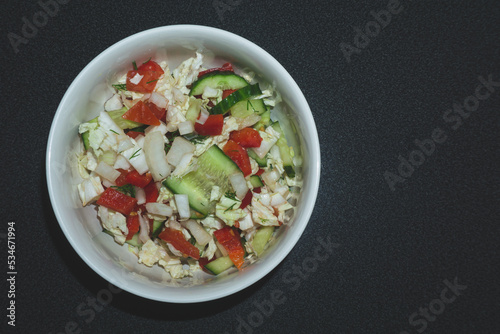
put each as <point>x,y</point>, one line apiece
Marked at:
<point>228,92</point>
<point>134,134</point>
<point>230,239</point>
<point>239,155</point>
<point>137,179</point>
<point>259,172</point>
<point>132,224</point>
<point>147,74</point>
<point>157,111</point>
<point>246,200</point>
<point>257,190</point>
<point>151,65</point>
<point>115,200</point>
<point>151,192</point>
<point>121,181</point>
<point>203,261</point>
<point>141,113</point>
<point>176,238</point>
<point>247,137</point>
<point>212,126</point>
<point>227,67</point>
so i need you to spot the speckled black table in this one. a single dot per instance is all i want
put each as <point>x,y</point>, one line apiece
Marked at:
<point>406,97</point>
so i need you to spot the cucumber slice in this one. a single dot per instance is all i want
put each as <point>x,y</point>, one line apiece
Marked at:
<point>157,228</point>
<point>217,80</point>
<point>194,109</point>
<point>116,116</point>
<point>256,181</point>
<point>265,120</point>
<point>85,135</point>
<point>214,168</point>
<point>262,162</point>
<point>261,238</point>
<point>246,108</point>
<point>135,241</point>
<point>219,265</point>
<point>284,151</point>
<point>240,98</point>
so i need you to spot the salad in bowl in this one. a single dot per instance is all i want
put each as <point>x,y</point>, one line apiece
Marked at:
<point>186,167</point>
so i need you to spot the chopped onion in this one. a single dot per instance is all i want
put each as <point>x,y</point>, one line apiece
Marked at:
<point>114,103</point>
<point>124,144</point>
<point>180,146</point>
<point>239,184</point>
<point>136,79</point>
<point>185,127</point>
<point>144,232</point>
<point>174,250</point>
<point>140,195</point>
<point>172,223</point>
<point>182,166</point>
<point>159,100</point>
<point>202,118</point>
<point>247,121</point>
<point>140,140</point>
<point>277,199</point>
<point>221,248</point>
<point>159,209</point>
<point>162,128</point>
<point>107,183</point>
<point>182,203</point>
<point>106,171</point>
<point>145,97</point>
<point>121,163</point>
<point>246,222</point>
<point>155,156</point>
<point>178,95</point>
<point>198,232</point>
<point>264,199</point>
<point>270,176</point>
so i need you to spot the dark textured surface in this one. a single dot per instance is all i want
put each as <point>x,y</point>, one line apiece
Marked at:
<point>396,247</point>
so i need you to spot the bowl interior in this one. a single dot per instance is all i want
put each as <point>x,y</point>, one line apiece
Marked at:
<point>85,99</point>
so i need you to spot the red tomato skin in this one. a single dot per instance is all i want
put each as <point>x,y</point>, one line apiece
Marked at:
<point>132,224</point>
<point>134,134</point>
<point>142,114</point>
<point>228,92</point>
<point>227,67</point>
<point>246,200</point>
<point>151,192</point>
<point>239,155</point>
<point>230,239</point>
<point>136,179</point>
<point>121,180</point>
<point>115,200</point>
<point>247,137</point>
<point>157,111</point>
<point>212,126</point>
<point>151,65</point>
<point>176,238</point>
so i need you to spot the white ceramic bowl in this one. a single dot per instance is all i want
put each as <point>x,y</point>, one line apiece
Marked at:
<point>84,99</point>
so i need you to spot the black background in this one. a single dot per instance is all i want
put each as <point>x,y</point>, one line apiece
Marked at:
<point>395,247</point>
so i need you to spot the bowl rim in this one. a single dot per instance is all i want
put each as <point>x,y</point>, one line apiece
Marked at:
<point>314,166</point>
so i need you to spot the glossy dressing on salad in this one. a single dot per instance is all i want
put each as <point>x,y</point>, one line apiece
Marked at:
<point>186,167</point>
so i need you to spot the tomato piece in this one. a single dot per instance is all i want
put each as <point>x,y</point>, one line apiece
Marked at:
<point>247,137</point>
<point>115,200</point>
<point>137,179</point>
<point>176,238</point>
<point>151,192</point>
<point>227,67</point>
<point>157,111</point>
<point>142,114</point>
<point>121,181</point>
<point>239,155</point>
<point>230,239</point>
<point>246,200</point>
<point>259,172</point>
<point>203,262</point>
<point>147,81</point>
<point>228,92</point>
<point>212,126</point>
<point>132,224</point>
<point>257,190</point>
<point>134,134</point>
<point>151,65</point>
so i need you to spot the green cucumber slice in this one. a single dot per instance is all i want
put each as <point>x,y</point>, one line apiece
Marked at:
<point>265,120</point>
<point>214,168</point>
<point>238,97</point>
<point>217,80</point>
<point>246,108</point>
<point>194,109</point>
<point>262,162</point>
<point>284,151</point>
<point>261,238</point>
<point>116,116</point>
<point>157,228</point>
<point>256,181</point>
<point>219,265</point>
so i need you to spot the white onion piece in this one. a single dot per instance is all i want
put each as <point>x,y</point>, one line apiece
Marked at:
<point>145,97</point>
<point>106,171</point>
<point>185,127</point>
<point>183,164</point>
<point>144,231</point>
<point>239,184</point>
<point>180,146</point>
<point>114,103</point>
<point>155,156</point>
<point>173,224</point>
<point>136,79</point>
<point>121,163</point>
<point>140,140</point>
<point>182,203</point>
<point>140,195</point>
<point>162,128</point>
<point>265,199</point>
<point>107,183</point>
<point>248,121</point>
<point>158,99</point>
<point>277,199</point>
<point>198,232</point>
<point>203,116</point>
<point>159,209</point>
<point>221,248</point>
<point>107,123</point>
<point>270,176</point>
<point>174,250</point>
<point>178,95</point>
<point>246,222</point>
<point>124,144</point>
